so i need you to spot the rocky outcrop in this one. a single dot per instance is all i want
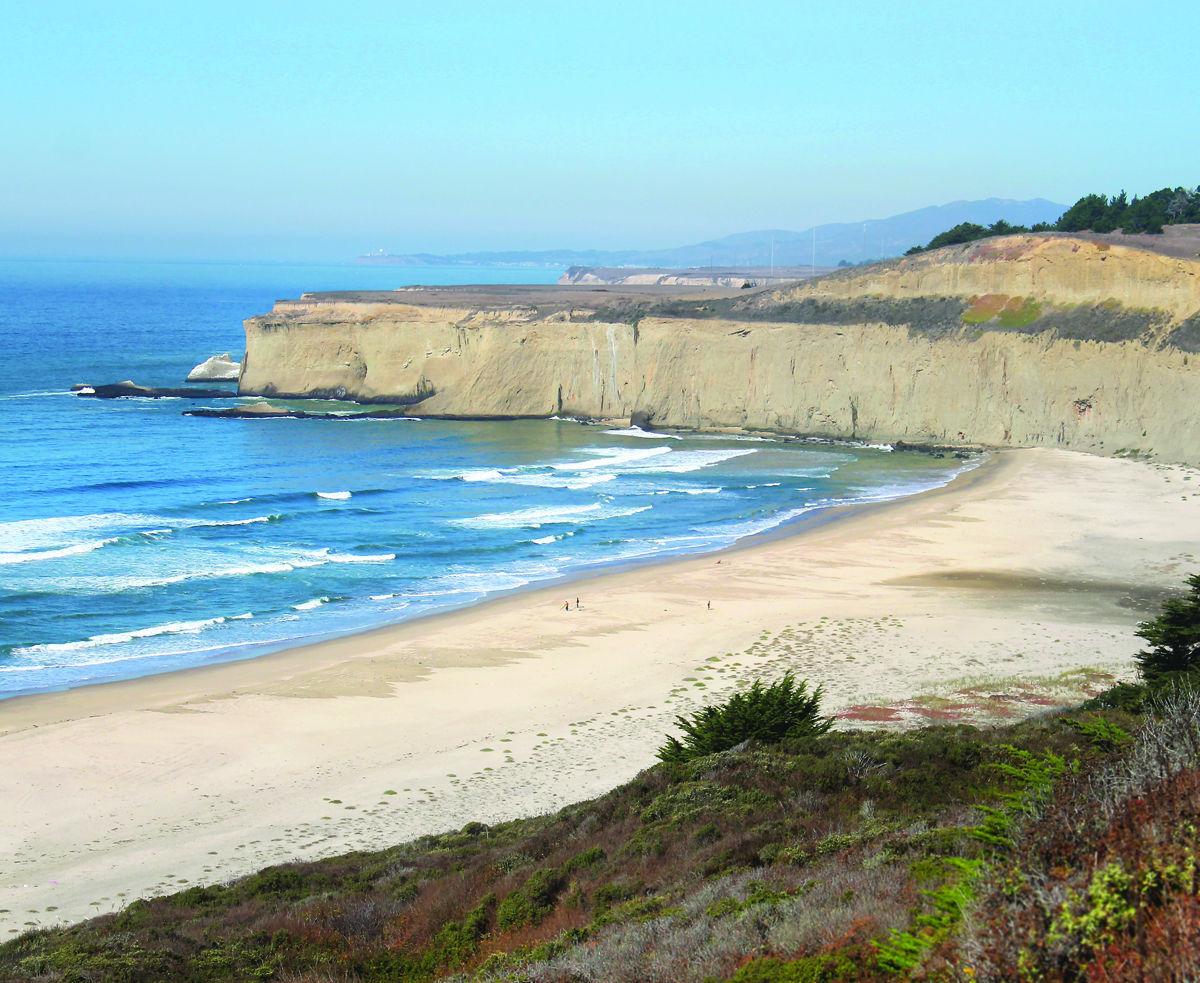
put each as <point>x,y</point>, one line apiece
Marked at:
<point>218,368</point>
<point>131,390</point>
<point>259,411</point>
<point>1026,340</point>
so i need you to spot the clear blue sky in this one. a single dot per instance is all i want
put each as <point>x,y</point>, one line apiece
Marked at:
<point>320,130</point>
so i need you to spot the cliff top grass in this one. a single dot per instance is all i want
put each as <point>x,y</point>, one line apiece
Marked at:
<point>1061,847</point>
<point>834,300</point>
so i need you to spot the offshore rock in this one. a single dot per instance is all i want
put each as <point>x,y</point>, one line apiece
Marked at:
<point>131,390</point>
<point>218,368</point>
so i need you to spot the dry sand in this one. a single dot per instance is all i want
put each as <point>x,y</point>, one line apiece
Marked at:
<point>1038,563</point>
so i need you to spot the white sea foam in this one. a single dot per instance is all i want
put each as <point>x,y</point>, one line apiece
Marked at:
<point>53,535</point>
<point>117,584</point>
<point>682,462</point>
<point>688,491</point>
<point>359,558</point>
<point>379,419</point>
<point>480,582</point>
<point>51,392</point>
<point>306,560</point>
<point>75,550</point>
<point>203,523</point>
<point>639,432</point>
<point>838,442</point>
<point>485,474</point>
<point>28,534</point>
<point>316,602</point>
<point>535,518</point>
<point>656,460</point>
<point>547,540</point>
<point>338,496</point>
<point>609,457</point>
<point>119,638</point>
<point>538,479</point>
<point>382,597</point>
<point>531,518</point>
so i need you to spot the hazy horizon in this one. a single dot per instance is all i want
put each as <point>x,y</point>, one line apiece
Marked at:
<point>290,133</point>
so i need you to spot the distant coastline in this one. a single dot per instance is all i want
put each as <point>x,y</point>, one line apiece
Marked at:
<point>840,243</point>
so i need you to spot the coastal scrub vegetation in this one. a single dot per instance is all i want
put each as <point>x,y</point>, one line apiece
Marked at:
<point>769,714</point>
<point>1091,213</point>
<point>1061,847</point>
<point>1174,636</point>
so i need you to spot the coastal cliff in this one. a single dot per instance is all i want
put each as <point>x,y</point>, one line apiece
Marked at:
<point>1018,341</point>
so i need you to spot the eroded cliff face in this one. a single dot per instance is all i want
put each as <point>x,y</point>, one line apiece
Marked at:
<point>988,344</point>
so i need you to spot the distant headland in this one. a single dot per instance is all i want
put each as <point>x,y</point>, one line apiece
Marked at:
<point>842,243</point>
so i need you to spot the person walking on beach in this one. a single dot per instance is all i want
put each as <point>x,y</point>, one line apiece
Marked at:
<point>709,605</point>
<point>566,605</point>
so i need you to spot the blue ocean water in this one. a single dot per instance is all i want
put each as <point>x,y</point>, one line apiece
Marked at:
<point>135,540</point>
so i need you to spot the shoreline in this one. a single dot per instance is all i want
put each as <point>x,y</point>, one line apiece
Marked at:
<point>1035,563</point>
<point>797,526</point>
<point>297,654</point>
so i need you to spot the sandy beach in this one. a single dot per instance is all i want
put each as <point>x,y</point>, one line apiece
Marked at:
<point>1016,587</point>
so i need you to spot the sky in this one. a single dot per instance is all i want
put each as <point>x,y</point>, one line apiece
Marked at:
<point>317,131</point>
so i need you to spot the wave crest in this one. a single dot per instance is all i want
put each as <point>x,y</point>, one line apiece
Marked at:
<point>120,637</point>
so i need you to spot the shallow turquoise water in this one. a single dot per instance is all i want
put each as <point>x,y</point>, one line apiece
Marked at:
<point>136,540</point>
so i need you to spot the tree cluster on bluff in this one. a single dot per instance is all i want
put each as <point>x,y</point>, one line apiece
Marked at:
<point>1091,213</point>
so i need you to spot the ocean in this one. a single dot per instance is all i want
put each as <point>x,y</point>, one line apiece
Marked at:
<point>135,540</point>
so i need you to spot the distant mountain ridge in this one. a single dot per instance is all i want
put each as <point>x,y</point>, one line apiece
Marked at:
<point>842,242</point>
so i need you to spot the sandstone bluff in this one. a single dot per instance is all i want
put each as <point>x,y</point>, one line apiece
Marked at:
<point>1024,340</point>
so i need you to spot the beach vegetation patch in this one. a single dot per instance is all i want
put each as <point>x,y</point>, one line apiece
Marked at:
<point>771,713</point>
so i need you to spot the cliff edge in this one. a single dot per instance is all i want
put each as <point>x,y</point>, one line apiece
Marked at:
<point>1023,340</point>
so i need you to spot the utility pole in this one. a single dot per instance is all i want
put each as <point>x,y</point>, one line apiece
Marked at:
<point>814,251</point>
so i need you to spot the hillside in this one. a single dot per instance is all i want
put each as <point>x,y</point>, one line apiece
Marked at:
<point>1059,848</point>
<point>851,242</point>
<point>1026,340</point>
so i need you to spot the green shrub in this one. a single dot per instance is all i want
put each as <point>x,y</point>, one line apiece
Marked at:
<point>532,901</point>
<point>582,861</point>
<point>686,800</point>
<point>904,951</point>
<point>1129,697</point>
<point>825,968</point>
<point>1103,734</point>
<point>1174,636</point>
<point>456,942</point>
<point>615,892</point>
<point>785,709</point>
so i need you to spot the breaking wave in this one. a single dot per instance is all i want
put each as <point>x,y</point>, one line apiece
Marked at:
<point>120,637</point>
<point>535,518</point>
